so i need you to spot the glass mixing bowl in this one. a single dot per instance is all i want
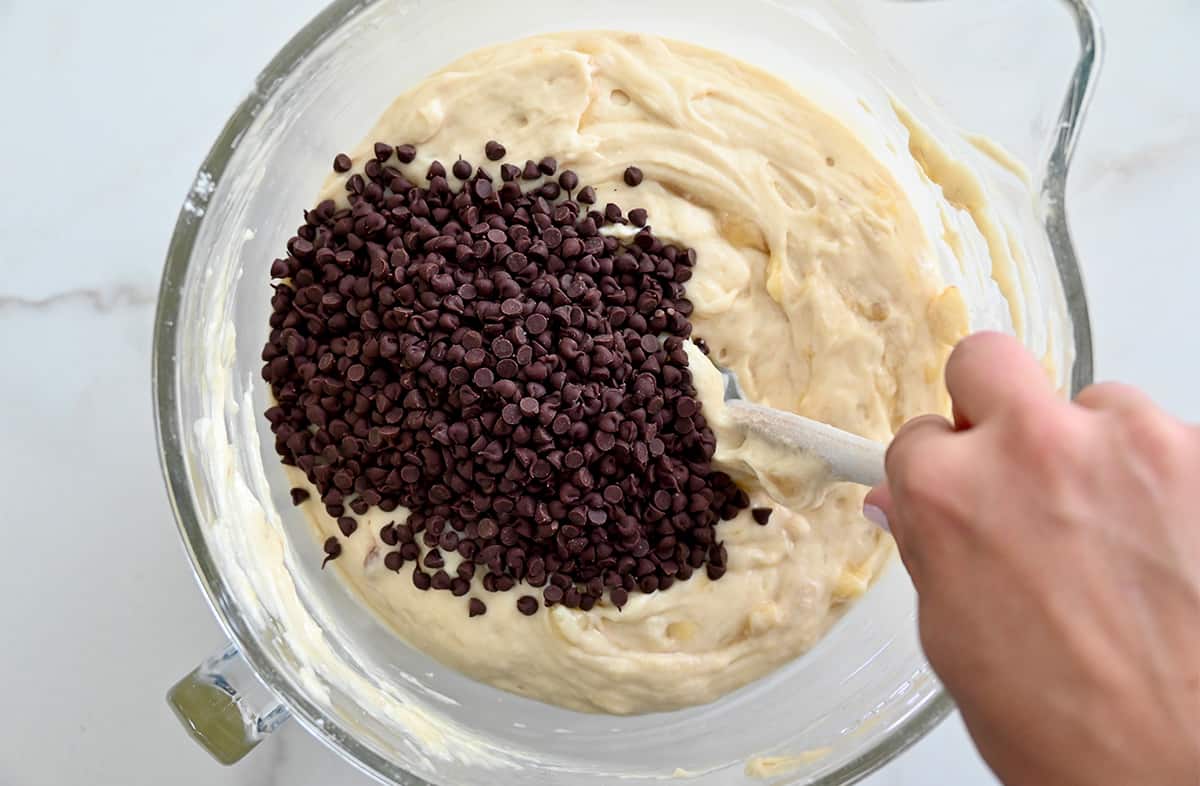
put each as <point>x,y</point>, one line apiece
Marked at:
<point>305,648</point>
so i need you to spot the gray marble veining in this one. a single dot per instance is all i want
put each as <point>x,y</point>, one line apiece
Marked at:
<point>102,300</point>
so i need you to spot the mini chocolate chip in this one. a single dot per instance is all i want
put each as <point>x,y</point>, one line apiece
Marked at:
<point>347,525</point>
<point>476,607</point>
<point>687,406</point>
<point>393,561</point>
<point>762,515</point>
<point>383,151</point>
<point>462,169</point>
<point>333,550</point>
<point>634,177</point>
<point>502,347</point>
<point>406,153</point>
<point>587,196</point>
<point>342,163</point>
<point>527,605</point>
<point>509,172</point>
<point>483,378</point>
<point>495,151</point>
<point>638,217</point>
<point>548,166</point>
<point>299,496</point>
<point>507,368</point>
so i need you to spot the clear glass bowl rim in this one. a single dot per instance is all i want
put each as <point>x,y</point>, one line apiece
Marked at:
<point>170,426</point>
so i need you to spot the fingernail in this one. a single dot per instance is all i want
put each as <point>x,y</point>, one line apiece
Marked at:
<point>876,516</point>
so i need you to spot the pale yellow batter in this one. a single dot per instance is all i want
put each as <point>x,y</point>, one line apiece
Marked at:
<point>814,282</point>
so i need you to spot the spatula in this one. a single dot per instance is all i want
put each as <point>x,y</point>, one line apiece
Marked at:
<point>849,457</point>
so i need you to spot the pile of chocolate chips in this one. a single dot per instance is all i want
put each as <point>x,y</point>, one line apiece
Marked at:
<point>485,357</point>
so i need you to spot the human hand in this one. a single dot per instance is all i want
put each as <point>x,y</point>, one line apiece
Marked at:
<point>1055,548</point>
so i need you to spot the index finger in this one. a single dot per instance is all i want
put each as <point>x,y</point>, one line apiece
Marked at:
<point>908,459</point>
<point>989,371</point>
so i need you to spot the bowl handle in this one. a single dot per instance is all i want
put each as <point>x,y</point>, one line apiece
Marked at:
<point>224,707</point>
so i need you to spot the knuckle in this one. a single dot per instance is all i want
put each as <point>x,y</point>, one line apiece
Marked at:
<point>924,483</point>
<point>1111,396</point>
<point>912,440</point>
<point>981,342</point>
<point>920,478</point>
<point>1156,437</point>
<point>1042,435</point>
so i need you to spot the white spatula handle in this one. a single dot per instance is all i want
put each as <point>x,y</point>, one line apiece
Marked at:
<point>849,456</point>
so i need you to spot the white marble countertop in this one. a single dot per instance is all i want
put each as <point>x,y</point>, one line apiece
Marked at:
<point>108,109</point>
